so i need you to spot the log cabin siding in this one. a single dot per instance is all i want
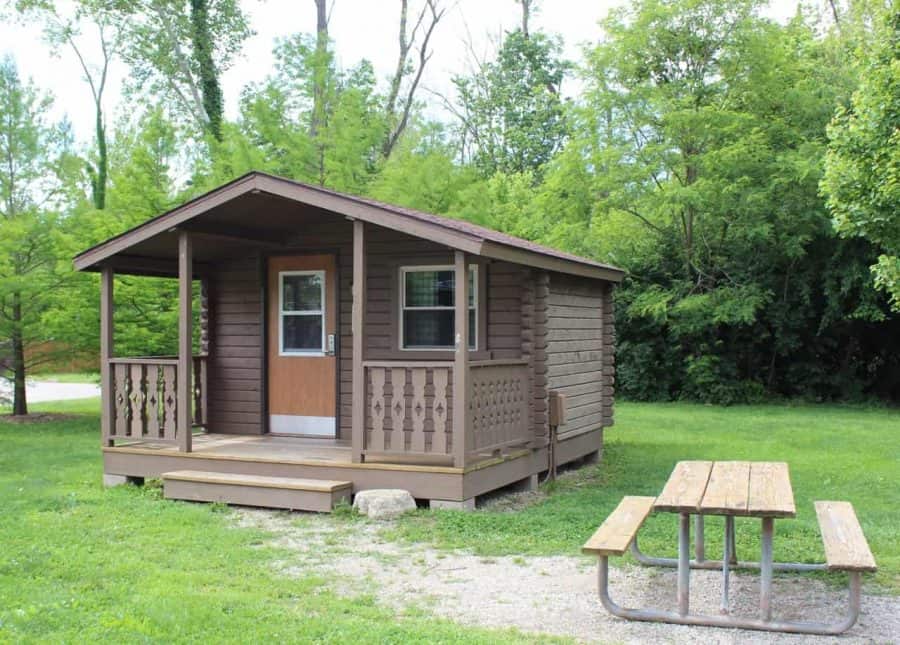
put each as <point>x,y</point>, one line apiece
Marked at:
<point>580,349</point>
<point>235,381</point>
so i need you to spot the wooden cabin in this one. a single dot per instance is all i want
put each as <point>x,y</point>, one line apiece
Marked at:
<point>353,342</point>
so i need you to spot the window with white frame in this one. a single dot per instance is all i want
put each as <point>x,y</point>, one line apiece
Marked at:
<point>301,307</point>
<point>427,302</point>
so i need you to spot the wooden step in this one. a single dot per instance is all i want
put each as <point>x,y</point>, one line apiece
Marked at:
<point>256,490</point>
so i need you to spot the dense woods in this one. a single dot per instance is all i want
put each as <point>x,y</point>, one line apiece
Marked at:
<point>744,172</point>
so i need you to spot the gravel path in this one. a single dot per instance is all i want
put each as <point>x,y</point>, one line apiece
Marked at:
<point>550,595</point>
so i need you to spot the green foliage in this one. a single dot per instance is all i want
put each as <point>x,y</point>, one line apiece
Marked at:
<point>862,167</point>
<point>203,47</point>
<point>511,113</point>
<point>146,315</point>
<point>35,154</point>
<point>177,51</point>
<point>277,119</point>
<point>704,133</point>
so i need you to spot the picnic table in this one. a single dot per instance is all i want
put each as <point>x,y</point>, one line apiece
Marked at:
<point>731,489</point>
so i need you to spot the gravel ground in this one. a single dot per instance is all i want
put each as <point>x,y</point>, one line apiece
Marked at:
<point>549,595</point>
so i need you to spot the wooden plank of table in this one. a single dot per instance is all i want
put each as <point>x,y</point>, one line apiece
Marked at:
<point>771,494</point>
<point>845,545</point>
<point>684,490</point>
<point>728,489</point>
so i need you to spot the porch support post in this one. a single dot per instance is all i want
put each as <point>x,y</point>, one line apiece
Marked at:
<point>184,419</point>
<point>358,323</point>
<point>461,361</point>
<point>107,350</point>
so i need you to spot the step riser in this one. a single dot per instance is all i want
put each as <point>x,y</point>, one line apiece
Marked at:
<point>246,495</point>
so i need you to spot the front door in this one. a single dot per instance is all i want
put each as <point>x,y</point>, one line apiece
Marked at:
<point>302,329</point>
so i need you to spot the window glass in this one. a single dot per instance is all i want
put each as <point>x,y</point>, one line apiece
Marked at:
<point>302,312</point>
<point>302,292</point>
<point>428,308</point>
<point>429,289</point>
<point>301,333</point>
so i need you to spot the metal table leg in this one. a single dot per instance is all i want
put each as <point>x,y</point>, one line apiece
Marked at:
<point>726,561</point>
<point>765,570</point>
<point>684,564</point>
<point>699,545</point>
<point>653,561</point>
<point>655,615</point>
<point>733,547</point>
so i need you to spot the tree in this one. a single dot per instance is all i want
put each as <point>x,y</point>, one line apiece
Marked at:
<point>210,88</point>
<point>703,136</point>
<point>30,151</point>
<point>312,121</point>
<point>69,32</point>
<point>397,113</point>
<point>511,114</point>
<point>142,156</point>
<point>178,51</point>
<point>862,167</point>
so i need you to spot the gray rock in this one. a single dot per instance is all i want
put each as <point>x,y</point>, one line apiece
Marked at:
<point>384,503</point>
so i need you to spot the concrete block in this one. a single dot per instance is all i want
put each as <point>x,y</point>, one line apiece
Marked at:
<point>452,505</point>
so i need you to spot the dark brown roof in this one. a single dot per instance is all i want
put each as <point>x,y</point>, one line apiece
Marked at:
<point>466,227</point>
<point>455,233</point>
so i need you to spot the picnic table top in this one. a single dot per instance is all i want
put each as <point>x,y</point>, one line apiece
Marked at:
<point>746,488</point>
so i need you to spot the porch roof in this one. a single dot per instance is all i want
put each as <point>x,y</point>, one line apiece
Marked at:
<point>255,210</point>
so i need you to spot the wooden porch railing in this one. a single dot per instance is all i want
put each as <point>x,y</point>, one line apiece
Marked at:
<point>145,399</point>
<point>499,410</point>
<point>408,407</point>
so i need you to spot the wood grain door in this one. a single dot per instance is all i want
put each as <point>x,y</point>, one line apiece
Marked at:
<point>302,333</point>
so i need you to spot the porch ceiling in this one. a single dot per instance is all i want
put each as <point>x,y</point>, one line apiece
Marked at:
<point>251,221</point>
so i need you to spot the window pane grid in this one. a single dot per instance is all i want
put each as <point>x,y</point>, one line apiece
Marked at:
<point>427,304</point>
<point>302,312</point>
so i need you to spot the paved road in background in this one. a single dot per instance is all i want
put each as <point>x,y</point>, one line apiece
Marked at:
<point>37,391</point>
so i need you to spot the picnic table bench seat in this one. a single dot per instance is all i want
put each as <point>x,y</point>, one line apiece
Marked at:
<point>619,529</point>
<point>846,548</point>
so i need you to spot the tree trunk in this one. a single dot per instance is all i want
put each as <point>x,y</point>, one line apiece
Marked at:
<point>526,14</point>
<point>209,78</point>
<point>320,79</point>
<point>99,178</point>
<point>20,403</point>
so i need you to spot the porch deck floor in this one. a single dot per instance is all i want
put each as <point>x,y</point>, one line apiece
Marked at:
<point>281,449</point>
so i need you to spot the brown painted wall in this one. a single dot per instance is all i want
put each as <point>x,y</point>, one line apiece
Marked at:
<point>235,303</point>
<point>580,346</point>
<point>235,384</point>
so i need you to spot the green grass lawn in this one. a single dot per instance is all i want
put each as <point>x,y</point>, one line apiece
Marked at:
<point>835,453</point>
<point>79,563</point>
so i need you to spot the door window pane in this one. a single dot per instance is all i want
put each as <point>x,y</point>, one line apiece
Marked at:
<point>301,292</point>
<point>301,333</point>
